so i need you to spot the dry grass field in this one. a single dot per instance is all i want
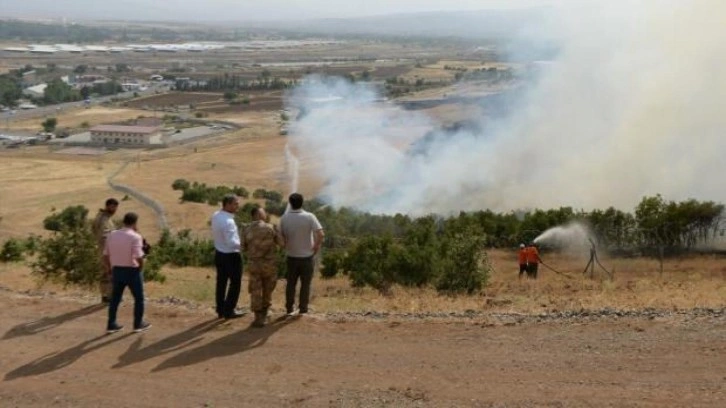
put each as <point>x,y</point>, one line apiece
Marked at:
<point>31,187</point>
<point>33,179</point>
<point>74,118</point>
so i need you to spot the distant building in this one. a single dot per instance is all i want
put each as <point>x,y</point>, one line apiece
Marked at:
<point>80,81</point>
<point>124,135</point>
<point>37,91</point>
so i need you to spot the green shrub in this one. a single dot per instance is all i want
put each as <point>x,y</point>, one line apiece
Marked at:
<point>466,267</point>
<point>69,257</point>
<point>71,217</point>
<point>180,184</point>
<point>333,263</point>
<point>13,251</point>
<point>182,249</point>
<point>371,263</point>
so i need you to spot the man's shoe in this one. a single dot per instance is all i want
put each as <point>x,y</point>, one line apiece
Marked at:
<point>106,299</point>
<point>144,326</point>
<point>293,313</point>
<point>114,328</point>
<point>234,315</point>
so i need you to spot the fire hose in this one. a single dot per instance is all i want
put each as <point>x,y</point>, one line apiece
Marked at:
<point>555,270</point>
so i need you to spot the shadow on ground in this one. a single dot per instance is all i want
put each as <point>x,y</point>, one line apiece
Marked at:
<point>136,354</point>
<point>47,323</point>
<point>231,344</point>
<point>57,360</point>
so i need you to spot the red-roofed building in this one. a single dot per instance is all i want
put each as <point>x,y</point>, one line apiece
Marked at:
<point>124,135</point>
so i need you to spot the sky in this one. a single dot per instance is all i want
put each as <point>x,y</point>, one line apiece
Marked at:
<point>226,10</point>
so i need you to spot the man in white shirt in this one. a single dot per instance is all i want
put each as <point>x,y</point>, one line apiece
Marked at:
<point>303,237</point>
<point>227,258</point>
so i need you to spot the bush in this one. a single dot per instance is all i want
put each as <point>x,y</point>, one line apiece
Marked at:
<point>201,193</point>
<point>422,254</point>
<point>275,208</point>
<point>465,267</point>
<point>72,217</point>
<point>270,195</point>
<point>69,257</point>
<point>181,250</point>
<point>49,124</point>
<point>196,193</point>
<point>333,263</point>
<point>241,192</point>
<point>13,251</point>
<point>371,263</point>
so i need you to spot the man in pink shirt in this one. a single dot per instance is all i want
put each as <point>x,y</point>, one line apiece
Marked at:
<point>124,256</point>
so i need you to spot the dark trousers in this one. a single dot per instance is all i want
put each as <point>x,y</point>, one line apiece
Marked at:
<point>229,270</point>
<point>298,269</point>
<point>522,269</point>
<point>123,277</point>
<point>532,270</point>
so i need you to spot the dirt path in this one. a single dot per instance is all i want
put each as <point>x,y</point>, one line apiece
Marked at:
<point>189,359</point>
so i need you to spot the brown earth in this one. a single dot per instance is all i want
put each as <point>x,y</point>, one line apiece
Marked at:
<point>54,353</point>
<point>174,98</point>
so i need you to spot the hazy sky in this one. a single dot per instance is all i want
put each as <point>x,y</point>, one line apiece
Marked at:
<point>245,9</point>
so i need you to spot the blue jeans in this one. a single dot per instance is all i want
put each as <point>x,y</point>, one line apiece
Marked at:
<point>133,278</point>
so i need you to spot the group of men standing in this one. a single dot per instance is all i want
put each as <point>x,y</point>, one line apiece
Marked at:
<point>122,252</point>
<point>528,260</point>
<point>300,234</point>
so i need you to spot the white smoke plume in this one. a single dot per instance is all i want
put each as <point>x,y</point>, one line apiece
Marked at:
<point>631,107</point>
<point>572,236</point>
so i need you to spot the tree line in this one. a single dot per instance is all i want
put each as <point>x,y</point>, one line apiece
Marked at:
<point>654,223</point>
<point>227,82</point>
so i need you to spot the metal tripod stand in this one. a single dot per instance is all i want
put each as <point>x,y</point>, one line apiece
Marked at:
<point>593,261</point>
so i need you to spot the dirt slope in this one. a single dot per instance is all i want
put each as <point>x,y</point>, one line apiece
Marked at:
<point>53,353</point>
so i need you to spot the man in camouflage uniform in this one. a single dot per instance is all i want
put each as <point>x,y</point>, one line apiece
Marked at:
<point>102,225</point>
<point>259,241</point>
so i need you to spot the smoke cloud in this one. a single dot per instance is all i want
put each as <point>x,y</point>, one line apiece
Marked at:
<point>575,236</point>
<point>631,106</point>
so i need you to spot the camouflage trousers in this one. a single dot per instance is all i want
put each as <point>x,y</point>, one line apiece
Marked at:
<point>105,285</point>
<point>262,282</point>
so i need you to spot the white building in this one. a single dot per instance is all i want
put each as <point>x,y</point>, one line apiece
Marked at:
<point>37,91</point>
<point>124,135</point>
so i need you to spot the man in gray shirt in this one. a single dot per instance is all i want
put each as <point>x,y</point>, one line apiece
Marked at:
<point>303,237</point>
